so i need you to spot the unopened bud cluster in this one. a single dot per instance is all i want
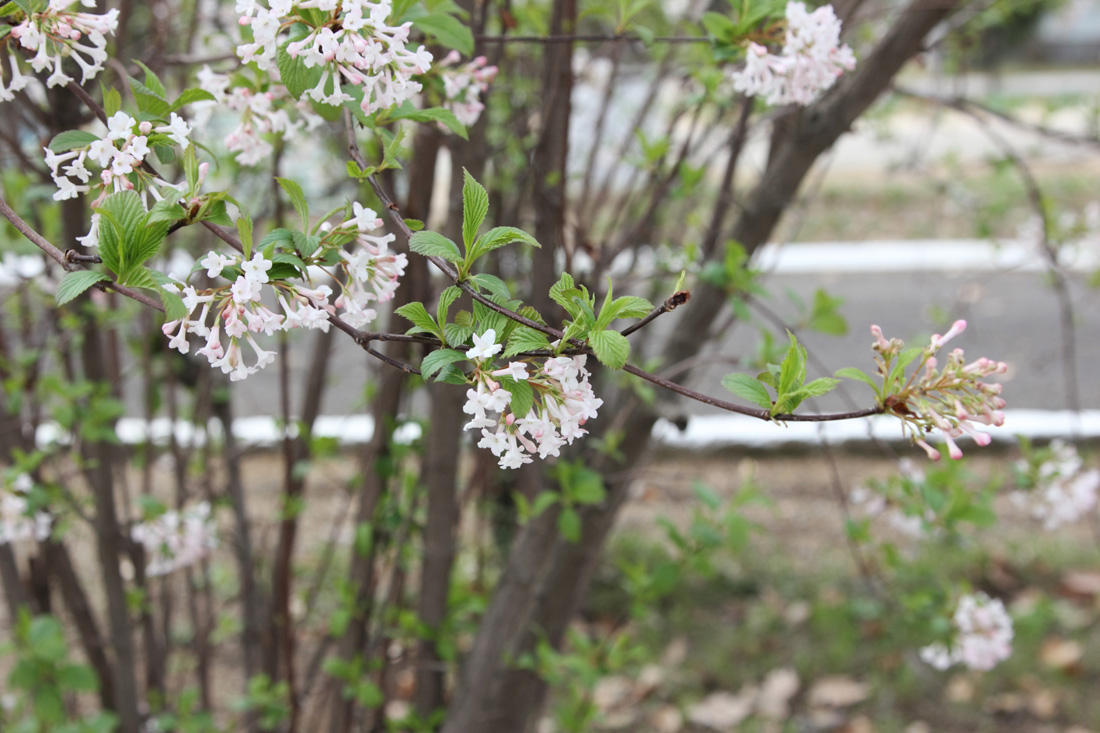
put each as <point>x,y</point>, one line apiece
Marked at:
<point>464,85</point>
<point>563,403</point>
<point>951,399</point>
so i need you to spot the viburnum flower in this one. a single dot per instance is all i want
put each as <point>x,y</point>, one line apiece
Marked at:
<point>811,61</point>
<point>950,400</point>
<point>118,155</point>
<point>982,638</point>
<point>563,401</point>
<point>17,523</point>
<point>263,114</point>
<point>463,85</point>
<point>58,33</point>
<point>176,539</point>
<point>353,46</point>
<point>370,274</point>
<point>1060,491</point>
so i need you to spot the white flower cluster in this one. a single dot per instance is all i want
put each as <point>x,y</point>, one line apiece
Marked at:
<point>261,113</point>
<point>16,523</point>
<point>56,34</point>
<point>463,85</point>
<point>372,274</point>
<point>176,539</point>
<point>563,402</point>
<point>811,61</point>
<point>983,636</point>
<point>355,45</point>
<point>951,400</point>
<point>1065,492</point>
<point>119,153</point>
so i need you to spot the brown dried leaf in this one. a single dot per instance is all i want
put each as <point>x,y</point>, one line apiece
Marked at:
<point>838,692</point>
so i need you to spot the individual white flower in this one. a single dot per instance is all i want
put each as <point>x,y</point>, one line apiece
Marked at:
<point>215,262</point>
<point>485,345</point>
<point>177,129</point>
<point>255,270</point>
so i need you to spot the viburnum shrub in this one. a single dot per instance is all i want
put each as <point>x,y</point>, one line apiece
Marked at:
<point>289,73</point>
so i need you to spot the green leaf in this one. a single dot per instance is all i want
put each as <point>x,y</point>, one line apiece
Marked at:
<point>819,387</point>
<point>498,237</point>
<point>457,333</point>
<point>446,300</point>
<point>559,291</point>
<point>627,307</point>
<point>75,283</point>
<point>524,339</point>
<point>112,100</point>
<point>718,25</point>
<point>438,359</point>
<point>610,347</point>
<point>152,81</point>
<point>70,140</point>
<point>77,678</point>
<point>124,216</point>
<point>418,314</point>
<point>188,96</point>
<point>569,524</point>
<point>523,396</point>
<point>408,111</point>
<point>475,206</point>
<point>298,198</point>
<point>748,388</point>
<point>543,501</point>
<point>434,244</point>
<point>165,210</point>
<point>857,374</point>
<point>792,372</point>
<point>448,30</point>
<point>293,72</point>
<point>491,284</point>
<point>306,244</point>
<point>244,231</point>
<point>588,487</point>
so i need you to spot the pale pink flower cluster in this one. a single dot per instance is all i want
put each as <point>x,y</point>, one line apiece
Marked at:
<point>564,402</point>
<point>272,112</point>
<point>16,523</point>
<point>950,400</point>
<point>983,636</point>
<point>176,539</point>
<point>1065,492</point>
<point>463,85</point>
<point>120,152</point>
<point>373,271</point>
<point>372,274</point>
<point>811,61</point>
<point>355,46</point>
<point>56,34</point>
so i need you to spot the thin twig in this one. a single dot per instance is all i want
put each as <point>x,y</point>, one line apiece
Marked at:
<point>674,301</point>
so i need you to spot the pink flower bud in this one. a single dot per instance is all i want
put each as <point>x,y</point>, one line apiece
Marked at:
<point>956,328</point>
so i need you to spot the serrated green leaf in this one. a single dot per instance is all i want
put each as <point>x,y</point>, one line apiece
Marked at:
<point>559,291</point>
<point>491,284</point>
<point>857,374</point>
<point>70,140</point>
<point>446,300</point>
<point>748,388</point>
<point>75,283</point>
<point>295,75</point>
<point>792,372</point>
<point>408,111</point>
<point>438,359</point>
<point>152,81</point>
<point>244,232</point>
<point>434,244</point>
<point>189,96</point>
<point>165,210</point>
<point>447,30</point>
<point>457,334</point>
<point>610,347</point>
<point>451,374</point>
<point>112,101</point>
<point>629,306</point>
<point>523,396</point>
<point>819,387</point>
<point>418,314</point>
<point>298,198</point>
<point>475,206</point>
<point>124,215</point>
<point>498,237</point>
<point>524,339</point>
